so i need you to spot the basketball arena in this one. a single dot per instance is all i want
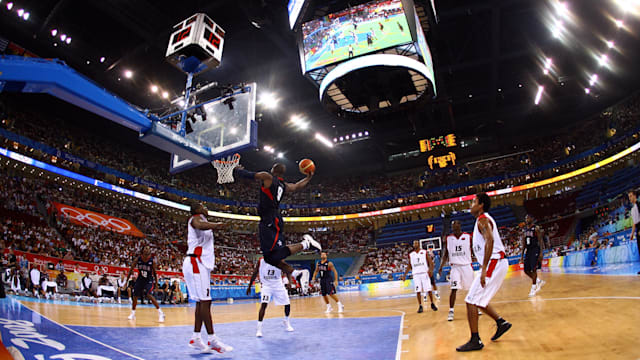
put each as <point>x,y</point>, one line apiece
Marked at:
<point>312,179</point>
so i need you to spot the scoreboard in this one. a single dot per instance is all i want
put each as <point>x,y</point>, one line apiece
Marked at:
<point>439,142</point>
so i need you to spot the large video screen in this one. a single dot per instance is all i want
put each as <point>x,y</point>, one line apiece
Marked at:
<point>354,31</point>
<point>294,7</point>
<point>423,48</point>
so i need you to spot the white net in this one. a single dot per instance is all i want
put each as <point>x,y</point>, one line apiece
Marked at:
<point>225,167</point>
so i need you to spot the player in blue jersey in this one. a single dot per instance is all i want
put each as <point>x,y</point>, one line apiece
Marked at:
<point>273,187</point>
<point>145,283</point>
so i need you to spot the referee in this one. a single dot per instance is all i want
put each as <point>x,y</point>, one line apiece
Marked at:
<point>635,218</point>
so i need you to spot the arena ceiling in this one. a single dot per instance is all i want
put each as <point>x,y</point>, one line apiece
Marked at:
<point>489,58</point>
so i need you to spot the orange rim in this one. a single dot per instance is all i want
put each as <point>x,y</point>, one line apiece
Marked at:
<point>228,162</point>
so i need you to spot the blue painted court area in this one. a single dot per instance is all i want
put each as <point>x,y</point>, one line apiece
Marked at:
<point>347,338</point>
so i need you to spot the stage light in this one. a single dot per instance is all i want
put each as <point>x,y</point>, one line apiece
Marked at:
<point>181,103</point>
<point>280,155</point>
<point>102,59</point>
<point>347,137</point>
<point>26,16</point>
<point>20,12</point>
<point>265,148</point>
<point>268,100</point>
<point>539,95</point>
<point>359,134</point>
<point>165,95</point>
<point>593,79</point>
<point>519,85</point>
<point>603,60</point>
<point>610,44</point>
<point>9,5</point>
<point>562,9</point>
<point>68,41</point>
<point>341,138</point>
<point>54,32</point>
<point>324,140</point>
<point>128,74</point>
<point>619,23</point>
<point>547,63</point>
<point>366,133</point>
<point>353,136</point>
<point>233,130</point>
<point>545,71</point>
<point>587,90</point>
<point>499,90</point>
<point>154,89</point>
<point>335,140</point>
<point>63,37</point>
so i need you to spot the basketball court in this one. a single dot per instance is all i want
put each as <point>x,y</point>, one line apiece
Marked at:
<point>587,313</point>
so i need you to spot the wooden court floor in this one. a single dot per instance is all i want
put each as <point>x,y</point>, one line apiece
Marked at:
<point>573,316</point>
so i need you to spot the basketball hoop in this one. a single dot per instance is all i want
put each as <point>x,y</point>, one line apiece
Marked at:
<point>225,168</point>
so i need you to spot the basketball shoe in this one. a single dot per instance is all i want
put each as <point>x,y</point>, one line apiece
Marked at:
<point>308,243</point>
<point>216,345</point>
<point>196,343</point>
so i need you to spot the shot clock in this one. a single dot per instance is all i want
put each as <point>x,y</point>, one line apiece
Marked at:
<point>195,44</point>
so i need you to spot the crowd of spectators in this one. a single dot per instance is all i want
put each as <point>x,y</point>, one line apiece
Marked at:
<point>148,165</point>
<point>25,229</point>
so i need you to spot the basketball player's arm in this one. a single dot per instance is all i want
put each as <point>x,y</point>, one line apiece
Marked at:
<point>485,228</point>
<point>445,257</point>
<point>133,264</point>
<point>540,242</point>
<point>406,271</point>
<point>263,176</point>
<point>430,263</point>
<point>335,274</point>
<point>315,272</point>
<point>200,224</point>
<point>300,184</point>
<point>253,277</point>
<point>522,248</point>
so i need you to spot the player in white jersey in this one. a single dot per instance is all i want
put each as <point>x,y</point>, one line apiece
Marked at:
<point>421,267</point>
<point>490,252</point>
<point>196,269</point>
<point>458,250</point>
<point>271,288</point>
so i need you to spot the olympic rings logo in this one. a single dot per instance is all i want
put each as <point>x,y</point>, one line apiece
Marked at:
<point>93,219</point>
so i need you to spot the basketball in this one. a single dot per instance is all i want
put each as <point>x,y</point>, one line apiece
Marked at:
<point>307,166</point>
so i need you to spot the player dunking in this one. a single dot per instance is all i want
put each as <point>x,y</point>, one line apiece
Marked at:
<point>271,288</point>
<point>533,245</point>
<point>271,224</point>
<point>421,267</point>
<point>328,282</point>
<point>145,283</point>
<point>196,269</point>
<point>489,250</point>
<point>458,250</point>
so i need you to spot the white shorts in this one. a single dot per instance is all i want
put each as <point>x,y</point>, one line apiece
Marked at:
<point>198,279</point>
<point>279,296</point>
<point>102,288</point>
<point>496,272</point>
<point>461,277</point>
<point>421,283</point>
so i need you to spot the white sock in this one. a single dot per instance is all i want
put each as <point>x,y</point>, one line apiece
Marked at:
<point>259,325</point>
<point>159,311</point>
<point>450,309</point>
<point>305,245</point>
<point>196,335</point>
<point>212,338</point>
<point>532,286</point>
<point>133,311</point>
<point>286,318</point>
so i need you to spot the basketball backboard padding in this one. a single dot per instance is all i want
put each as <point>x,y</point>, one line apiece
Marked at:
<point>165,138</point>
